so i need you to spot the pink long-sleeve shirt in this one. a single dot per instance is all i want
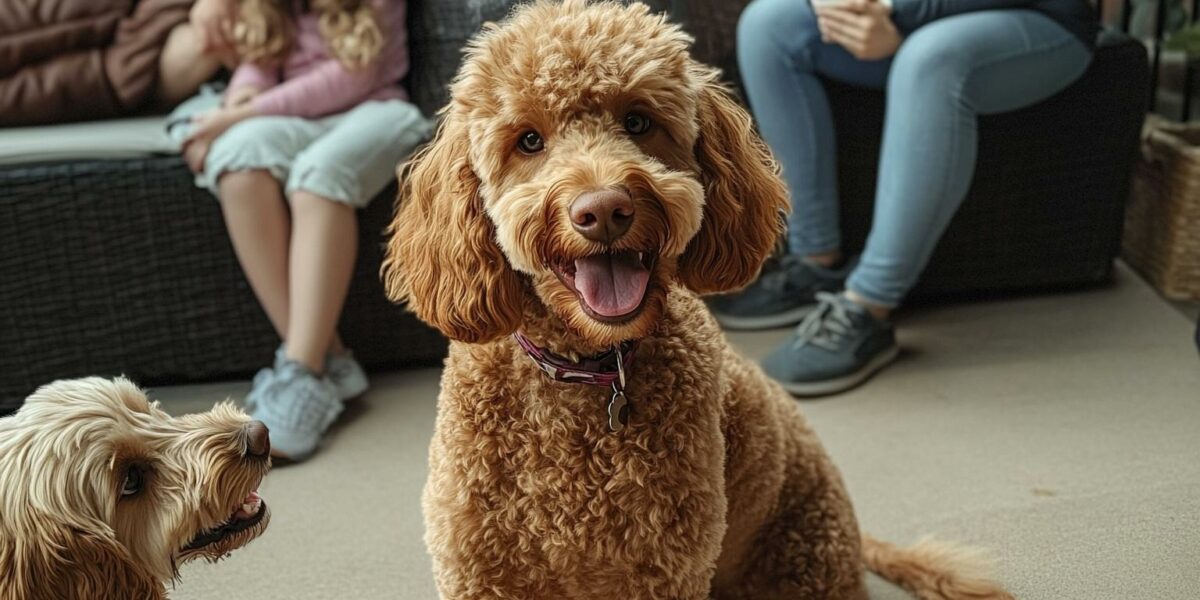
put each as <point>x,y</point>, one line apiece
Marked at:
<point>310,83</point>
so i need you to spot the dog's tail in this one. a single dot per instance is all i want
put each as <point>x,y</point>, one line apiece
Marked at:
<point>933,570</point>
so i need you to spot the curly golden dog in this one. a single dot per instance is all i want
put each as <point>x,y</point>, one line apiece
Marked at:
<point>587,181</point>
<point>103,495</point>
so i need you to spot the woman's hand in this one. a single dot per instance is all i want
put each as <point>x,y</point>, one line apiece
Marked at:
<point>214,20</point>
<point>863,27</point>
<point>240,96</point>
<point>208,127</point>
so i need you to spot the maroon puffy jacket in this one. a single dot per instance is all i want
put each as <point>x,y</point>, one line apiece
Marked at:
<point>69,60</point>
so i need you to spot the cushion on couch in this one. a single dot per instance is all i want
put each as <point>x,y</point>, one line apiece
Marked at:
<point>138,137</point>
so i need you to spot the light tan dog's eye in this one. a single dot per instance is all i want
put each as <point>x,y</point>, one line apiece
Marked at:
<point>531,142</point>
<point>135,479</point>
<point>637,123</point>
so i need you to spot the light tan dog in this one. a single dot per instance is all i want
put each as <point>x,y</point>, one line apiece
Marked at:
<point>103,495</point>
<point>588,179</point>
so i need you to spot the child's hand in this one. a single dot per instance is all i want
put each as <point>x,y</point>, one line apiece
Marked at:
<point>208,127</point>
<point>194,154</point>
<point>240,96</point>
<point>863,27</point>
<point>214,20</point>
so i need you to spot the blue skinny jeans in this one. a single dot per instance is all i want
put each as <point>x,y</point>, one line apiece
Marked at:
<point>944,75</point>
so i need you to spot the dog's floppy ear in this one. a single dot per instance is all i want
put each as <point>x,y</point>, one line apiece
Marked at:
<point>442,257</point>
<point>745,199</point>
<point>66,563</point>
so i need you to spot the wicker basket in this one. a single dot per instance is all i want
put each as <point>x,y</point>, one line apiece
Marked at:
<point>1162,222</point>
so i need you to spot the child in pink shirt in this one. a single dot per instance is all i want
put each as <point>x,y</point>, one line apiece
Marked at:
<point>309,83</point>
<point>311,127</point>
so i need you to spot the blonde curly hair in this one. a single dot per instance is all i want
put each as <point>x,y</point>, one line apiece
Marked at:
<point>265,30</point>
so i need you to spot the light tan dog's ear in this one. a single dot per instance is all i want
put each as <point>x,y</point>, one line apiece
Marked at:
<point>745,199</point>
<point>442,257</point>
<point>69,564</point>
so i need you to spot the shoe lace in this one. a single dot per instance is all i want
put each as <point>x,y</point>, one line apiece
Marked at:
<point>826,325</point>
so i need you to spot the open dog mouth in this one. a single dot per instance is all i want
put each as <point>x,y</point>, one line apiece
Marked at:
<point>247,515</point>
<point>611,286</point>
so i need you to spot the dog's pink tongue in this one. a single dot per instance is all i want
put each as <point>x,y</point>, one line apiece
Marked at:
<point>612,285</point>
<point>250,506</point>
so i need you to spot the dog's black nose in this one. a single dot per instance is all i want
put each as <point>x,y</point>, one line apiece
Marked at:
<point>603,215</point>
<point>258,439</point>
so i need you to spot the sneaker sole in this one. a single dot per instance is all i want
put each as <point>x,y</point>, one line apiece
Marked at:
<point>846,382</point>
<point>775,321</point>
<point>354,393</point>
<point>286,459</point>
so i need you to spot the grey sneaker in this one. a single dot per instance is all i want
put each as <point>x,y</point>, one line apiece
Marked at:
<point>261,379</point>
<point>346,375</point>
<point>782,296</point>
<point>348,378</point>
<point>298,408</point>
<point>837,346</point>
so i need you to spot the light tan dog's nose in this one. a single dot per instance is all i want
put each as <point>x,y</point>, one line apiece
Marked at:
<point>258,439</point>
<point>603,215</point>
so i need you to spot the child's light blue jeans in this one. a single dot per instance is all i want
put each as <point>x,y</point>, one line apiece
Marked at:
<point>348,157</point>
<point>945,74</point>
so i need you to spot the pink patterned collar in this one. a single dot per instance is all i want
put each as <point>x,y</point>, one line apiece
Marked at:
<point>606,369</point>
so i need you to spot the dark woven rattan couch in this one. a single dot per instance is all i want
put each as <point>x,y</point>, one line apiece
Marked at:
<point>122,266</point>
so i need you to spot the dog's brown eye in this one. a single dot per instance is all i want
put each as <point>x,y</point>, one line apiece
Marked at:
<point>134,480</point>
<point>531,142</point>
<point>637,124</point>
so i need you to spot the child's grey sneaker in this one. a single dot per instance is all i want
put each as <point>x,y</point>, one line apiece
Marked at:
<point>783,295</point>
<point>838,346</point>
<point>298,407</point>
<point>261,380</point>
<point>346,375</point>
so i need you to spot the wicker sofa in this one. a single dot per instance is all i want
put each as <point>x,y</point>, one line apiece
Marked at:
<point>122,266</point>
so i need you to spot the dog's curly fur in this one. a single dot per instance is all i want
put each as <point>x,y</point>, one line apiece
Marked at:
<point>718,486</point>
<point>66,530</point>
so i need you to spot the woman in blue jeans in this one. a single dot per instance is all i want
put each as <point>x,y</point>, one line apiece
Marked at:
<point>943,63</point>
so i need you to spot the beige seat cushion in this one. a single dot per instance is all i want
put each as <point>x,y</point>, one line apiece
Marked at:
<point>92,140</point>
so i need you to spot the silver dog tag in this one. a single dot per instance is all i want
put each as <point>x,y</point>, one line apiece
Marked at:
<point>618,411</point>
